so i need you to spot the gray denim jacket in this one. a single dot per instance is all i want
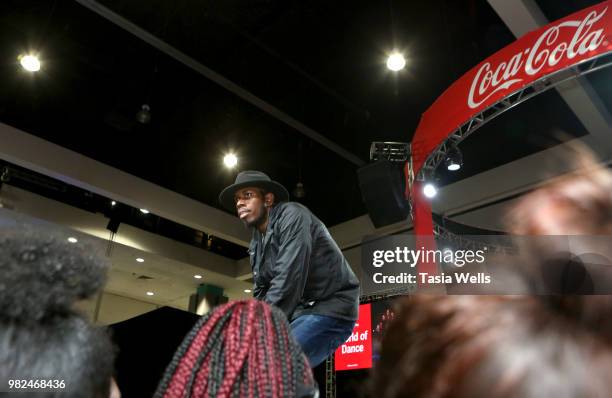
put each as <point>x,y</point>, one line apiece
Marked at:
<point>299,268</point>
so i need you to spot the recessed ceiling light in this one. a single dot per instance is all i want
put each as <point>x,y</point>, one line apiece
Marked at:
<point>396,62</point>
<point>73,240</point>
<point>198,276</point>
<point>140,260</point>
<point>230,160</point>
<point>31,63</point>
<point>144,211</point>
<point>247,290</point>
<point>150,294</point>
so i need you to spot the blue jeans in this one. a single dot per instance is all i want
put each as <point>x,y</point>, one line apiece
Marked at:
<point>320,335</point>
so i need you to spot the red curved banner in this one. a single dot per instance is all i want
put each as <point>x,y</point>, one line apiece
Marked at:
<point>561,44</point>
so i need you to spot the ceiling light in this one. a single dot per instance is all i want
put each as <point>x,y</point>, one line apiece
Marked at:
<point>72,240</point>
<point>396,62</point>
<point>454,159</point>
<point>247,290</point>
<point>31,63</point>
<point>144,114</point>
<point>113,203</point>
<point>150,294</point>
<point>429,190</point>
<point>144,211</point>
<point>198,276</point>
<point>140,260</point>
<point>230,160</point>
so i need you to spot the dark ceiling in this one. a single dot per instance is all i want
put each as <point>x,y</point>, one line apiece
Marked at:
<point>321,62</point>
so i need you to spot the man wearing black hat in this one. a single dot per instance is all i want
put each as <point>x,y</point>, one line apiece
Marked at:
<point>296,264</point>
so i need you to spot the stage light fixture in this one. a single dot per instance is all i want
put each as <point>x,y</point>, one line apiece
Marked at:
<point>150,294</point>
<point>247,290</point>
<point>230,160</point>
<point>113,203</point>
<point>396,62</point>
<point>198,276</point>
<point>144,114</point>
<point>144,211</point>
<point>454,159</point>
<point>140,260</point>
<point>72,239</point>
<point>453,167</point>
<point>31,63</point>
<point>429,190</point>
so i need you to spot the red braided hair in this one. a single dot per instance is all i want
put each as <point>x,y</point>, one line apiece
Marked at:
<point>243,348</point>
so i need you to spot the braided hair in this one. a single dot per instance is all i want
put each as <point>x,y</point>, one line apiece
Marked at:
<point>240,349</point>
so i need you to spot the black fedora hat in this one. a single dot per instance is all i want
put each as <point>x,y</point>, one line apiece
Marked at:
<point>252,178</point>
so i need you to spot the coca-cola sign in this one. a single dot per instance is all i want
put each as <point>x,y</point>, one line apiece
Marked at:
<point>577,38</point>
<point>548,49</point>
<point>559,45</point>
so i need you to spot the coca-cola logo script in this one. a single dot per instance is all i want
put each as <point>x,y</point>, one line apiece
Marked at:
<point>548,49</point>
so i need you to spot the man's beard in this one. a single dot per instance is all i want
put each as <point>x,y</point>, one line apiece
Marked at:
<point>259,220</point>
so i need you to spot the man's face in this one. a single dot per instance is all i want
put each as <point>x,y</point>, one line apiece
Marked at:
<point>250,206</point>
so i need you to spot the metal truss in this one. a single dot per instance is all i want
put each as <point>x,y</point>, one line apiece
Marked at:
<point>539,86</point>
<point>384,294</point>
<point>330,378</point>
<point>391,151</point>
<point>442,233</point>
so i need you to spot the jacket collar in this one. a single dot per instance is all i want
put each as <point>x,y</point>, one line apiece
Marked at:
<point>274,211</point>
<point>272,217</point>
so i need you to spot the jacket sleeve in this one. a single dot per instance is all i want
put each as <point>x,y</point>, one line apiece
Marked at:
<point>258,292</point>
<point>292,264</point>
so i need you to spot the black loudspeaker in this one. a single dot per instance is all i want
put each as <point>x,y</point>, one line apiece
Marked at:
<point>382,187</point>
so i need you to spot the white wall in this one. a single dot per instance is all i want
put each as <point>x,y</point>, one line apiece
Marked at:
<point>112,308</point>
